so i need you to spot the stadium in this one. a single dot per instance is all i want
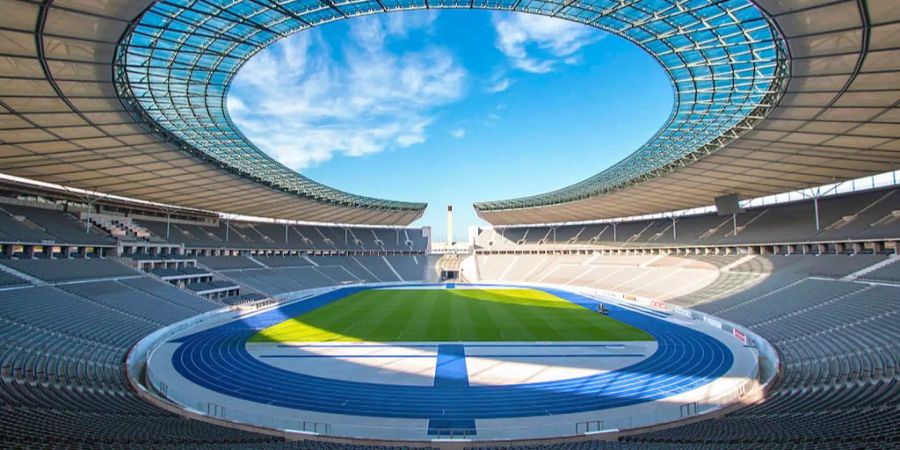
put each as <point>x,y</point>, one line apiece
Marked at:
<point>732,283</point>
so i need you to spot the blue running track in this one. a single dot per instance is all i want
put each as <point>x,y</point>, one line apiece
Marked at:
<point>450,369</point>
<point>217,359</point>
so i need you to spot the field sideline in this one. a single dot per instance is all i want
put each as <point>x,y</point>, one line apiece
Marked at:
<point>451,315</point>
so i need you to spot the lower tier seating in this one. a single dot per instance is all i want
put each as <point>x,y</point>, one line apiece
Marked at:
<point>62,347</point>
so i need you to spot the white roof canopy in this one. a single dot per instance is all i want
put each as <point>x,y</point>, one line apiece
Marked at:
<point>62,121</point>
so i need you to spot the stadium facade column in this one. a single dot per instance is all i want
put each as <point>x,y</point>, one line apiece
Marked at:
<point>168,223</point>
<point>450,224</point>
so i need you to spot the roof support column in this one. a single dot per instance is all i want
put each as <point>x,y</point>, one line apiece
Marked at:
<point>816,208</point>
<point>816,195</point>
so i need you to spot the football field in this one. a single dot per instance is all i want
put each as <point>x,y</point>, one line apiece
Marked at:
<point>451,315</point>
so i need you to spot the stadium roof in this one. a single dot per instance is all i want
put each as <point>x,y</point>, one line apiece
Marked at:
<point>146,119</point>
<point>727,68</point>
<point>837,119</point>
<point>128,98</point>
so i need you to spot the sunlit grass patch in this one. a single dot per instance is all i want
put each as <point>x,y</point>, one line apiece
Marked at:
<point>448,315</point>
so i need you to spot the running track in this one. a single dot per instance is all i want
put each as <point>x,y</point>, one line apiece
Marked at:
<point>217,359</point>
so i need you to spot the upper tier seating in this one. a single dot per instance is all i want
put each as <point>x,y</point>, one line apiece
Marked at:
<point>863,215</point>
<point>16,229</point>
<point>176,234</point>
<point>64,227</point>
<point>61,270</point>
<point>252,236</point>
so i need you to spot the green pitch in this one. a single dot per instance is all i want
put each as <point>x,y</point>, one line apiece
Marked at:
<point>448,315</point>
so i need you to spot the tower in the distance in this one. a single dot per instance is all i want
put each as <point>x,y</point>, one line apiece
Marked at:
<point>450,224</point>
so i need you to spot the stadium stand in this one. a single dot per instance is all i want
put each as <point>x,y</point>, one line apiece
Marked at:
<point>54,309</point>
<point>889,273</point>
<point>59,270</point>
<point>63,343</point>
<point>61,225</point>
<point>122,298</point>
<point>168,293</point>
<point>160,258</point>
<point>262,236</point>
<point>17,229</point>
<point>266,281</point>
<point>227,262</point>
<point>410,268</point>
<point>182,273</point>
<point>284,261</point>
<point>867,215</point>
<point>309,276</point>
<point>8,280</point>
<point>177,233</point>
<point>817,105</point>
<point>63,383</point>
<point>827,378</point>
<point>243,298</point>
<point>68,316</point>
<point>839,379</point>
<point>837,340</point>
<point>378,267</point>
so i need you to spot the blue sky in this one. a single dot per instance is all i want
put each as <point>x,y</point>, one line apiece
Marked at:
<point>450,107</point>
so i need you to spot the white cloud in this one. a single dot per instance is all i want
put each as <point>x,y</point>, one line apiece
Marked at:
<point>401,23</point>
<point>302,104</point>
<point>235,105</point>
<point>538,44</point>
<point>458,133</point>
<point>499,85</point>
